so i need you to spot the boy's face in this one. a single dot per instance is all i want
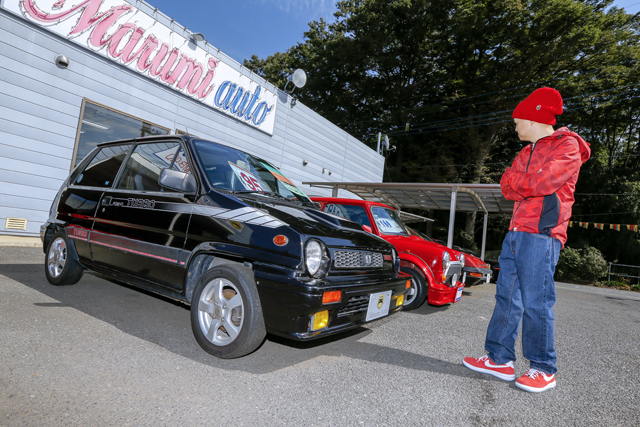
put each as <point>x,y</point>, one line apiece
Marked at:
<point>523,129</point>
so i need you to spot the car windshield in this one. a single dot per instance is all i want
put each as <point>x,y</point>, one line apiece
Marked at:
<point>233,170</point>
<point>387,220</point>
<point>415,232</point>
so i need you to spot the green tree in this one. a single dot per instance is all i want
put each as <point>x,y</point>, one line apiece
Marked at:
<point>441,78</point>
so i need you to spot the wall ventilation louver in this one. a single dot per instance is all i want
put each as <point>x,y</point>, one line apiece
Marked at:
<point>16,224</point>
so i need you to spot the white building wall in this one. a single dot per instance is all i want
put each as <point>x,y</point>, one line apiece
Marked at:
<point>40,107</point>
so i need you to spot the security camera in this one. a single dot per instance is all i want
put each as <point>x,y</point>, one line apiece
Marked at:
<point>62,61</point>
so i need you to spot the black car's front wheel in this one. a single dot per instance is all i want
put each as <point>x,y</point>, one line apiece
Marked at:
<point>226,315</point>
<point>59,267</point>
<point>417,293</point>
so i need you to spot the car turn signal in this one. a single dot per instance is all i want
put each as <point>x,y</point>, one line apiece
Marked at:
<point>400,301</point>
<point>408,285</point>
<point>280,240</point>
<point>331,297</point>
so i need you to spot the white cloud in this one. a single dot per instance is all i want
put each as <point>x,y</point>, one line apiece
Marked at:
<point>312,9</point>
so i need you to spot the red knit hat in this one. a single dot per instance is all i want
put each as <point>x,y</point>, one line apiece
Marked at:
<point>542,106</point>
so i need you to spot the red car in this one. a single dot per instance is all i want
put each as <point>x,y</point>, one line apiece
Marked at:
<point>436,270</point>
<point>475,268</point>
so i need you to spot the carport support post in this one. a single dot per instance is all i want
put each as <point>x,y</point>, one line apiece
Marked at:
<point>484,235</point>
<point>334,193</point>
<point>452,215</point>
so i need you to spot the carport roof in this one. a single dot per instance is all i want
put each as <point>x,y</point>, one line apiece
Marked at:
<point>469,197</point>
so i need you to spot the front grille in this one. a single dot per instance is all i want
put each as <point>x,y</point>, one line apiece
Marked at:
<point>355,305</point>
<point>357,259</point>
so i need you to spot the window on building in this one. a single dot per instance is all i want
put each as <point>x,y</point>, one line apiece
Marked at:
<point>102,124</point>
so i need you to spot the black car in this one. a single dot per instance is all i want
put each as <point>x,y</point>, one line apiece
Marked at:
<point>223,231</point>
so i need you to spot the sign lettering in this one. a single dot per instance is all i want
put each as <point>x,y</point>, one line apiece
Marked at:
<point>125,34</point>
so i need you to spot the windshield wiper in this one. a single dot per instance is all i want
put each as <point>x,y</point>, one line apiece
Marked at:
<point>262,192</point>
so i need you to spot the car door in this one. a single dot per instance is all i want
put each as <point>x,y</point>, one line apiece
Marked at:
<point>140,227</point>
<point>79,200</point>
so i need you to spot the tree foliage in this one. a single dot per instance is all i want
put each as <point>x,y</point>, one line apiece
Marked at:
<point>441,78</point>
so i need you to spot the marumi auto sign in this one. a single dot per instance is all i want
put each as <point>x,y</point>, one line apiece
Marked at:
<point>125,34</point>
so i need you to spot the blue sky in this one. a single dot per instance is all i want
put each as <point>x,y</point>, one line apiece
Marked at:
<point>241,28</point>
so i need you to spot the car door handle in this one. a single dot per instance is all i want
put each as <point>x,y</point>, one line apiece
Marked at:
<point>106,201</point>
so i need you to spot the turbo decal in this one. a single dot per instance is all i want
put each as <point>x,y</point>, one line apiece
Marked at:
<point>132,203</point>
<point>78,233</point>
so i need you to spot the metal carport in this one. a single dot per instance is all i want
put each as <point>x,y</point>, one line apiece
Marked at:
<point>484,198</point>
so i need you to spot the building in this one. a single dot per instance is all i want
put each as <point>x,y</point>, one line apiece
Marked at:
<point>73,74</point>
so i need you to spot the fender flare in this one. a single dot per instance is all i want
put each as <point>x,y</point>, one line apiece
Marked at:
<point>415,262</point>
<point>203,258</point>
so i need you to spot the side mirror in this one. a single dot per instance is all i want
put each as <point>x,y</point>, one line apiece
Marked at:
<point>177,180</point>
<point>367,229</point>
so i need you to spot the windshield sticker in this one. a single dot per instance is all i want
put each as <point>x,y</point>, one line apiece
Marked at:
<point>284,180</point>
<point>388,225</point>
<point>295,190</point>
<point>249,180</point>
<point>181,160</point>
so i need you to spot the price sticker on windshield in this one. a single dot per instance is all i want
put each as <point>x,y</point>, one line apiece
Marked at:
<point>388,225</point>
<point>248,180</point>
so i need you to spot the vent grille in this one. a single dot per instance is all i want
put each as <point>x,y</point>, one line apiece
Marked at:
<point>355,305</point>
<point>16,224</point>
<point>357,259</point>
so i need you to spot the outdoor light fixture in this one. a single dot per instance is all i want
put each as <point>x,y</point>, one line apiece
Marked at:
<point>197,37</point>
<point>62,61</point>
<point>298,78</point>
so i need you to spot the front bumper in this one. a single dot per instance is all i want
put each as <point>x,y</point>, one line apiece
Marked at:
<point>288,310</point>
<point>443,295</point>
<point>476,275</point>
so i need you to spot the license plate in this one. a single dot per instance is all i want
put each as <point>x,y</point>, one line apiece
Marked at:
<point>378,305</point>
<point>459,294</point>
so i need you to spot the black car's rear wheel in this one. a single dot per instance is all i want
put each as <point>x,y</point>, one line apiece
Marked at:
<point>226,315</point>
<point>417,293</point>
<point>59,267</point>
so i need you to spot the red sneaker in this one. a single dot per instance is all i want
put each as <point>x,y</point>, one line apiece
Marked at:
<point>536,381</point>
<point>486,366</point>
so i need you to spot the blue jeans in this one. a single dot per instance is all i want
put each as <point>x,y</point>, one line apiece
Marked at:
<point>525,291</point>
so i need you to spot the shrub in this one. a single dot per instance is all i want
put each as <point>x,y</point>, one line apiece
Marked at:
<point>581,265</point>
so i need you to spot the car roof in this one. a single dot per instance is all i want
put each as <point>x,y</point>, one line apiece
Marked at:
<point>349,201</point>
<point>143,139</point>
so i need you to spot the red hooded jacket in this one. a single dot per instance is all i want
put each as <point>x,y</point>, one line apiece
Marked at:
<point>542,181</point>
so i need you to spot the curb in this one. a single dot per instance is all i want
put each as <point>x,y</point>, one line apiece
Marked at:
<point>20,241</point>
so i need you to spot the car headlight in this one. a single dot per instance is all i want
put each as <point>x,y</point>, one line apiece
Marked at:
<point>316,259</point>
<point>446,261</point>
<point>462,260</point>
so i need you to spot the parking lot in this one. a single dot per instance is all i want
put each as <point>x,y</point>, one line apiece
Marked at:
<point>103,354</point>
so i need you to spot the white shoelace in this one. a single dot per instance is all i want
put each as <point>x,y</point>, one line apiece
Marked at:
<point>533,373</point>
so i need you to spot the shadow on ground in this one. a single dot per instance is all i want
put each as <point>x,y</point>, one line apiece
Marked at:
<point>166,323</point>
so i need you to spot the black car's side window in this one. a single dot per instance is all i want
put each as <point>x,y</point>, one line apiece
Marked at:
<point>147,161</point>
<point>102,169</point>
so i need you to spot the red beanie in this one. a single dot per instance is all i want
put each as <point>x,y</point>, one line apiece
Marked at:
<point>542,106</point>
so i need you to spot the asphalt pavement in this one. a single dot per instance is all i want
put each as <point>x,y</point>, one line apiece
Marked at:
<point>102,354</point>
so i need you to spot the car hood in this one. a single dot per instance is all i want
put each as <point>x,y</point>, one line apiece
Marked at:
<point>334,231</point>
<point>417,246</point>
